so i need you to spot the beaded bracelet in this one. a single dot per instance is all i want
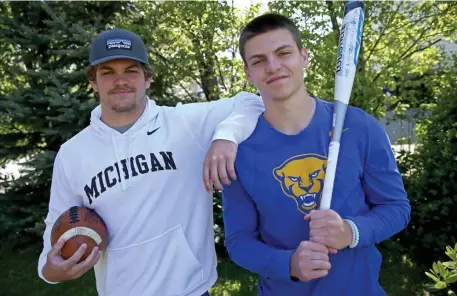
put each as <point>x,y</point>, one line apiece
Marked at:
<point>355,233</point>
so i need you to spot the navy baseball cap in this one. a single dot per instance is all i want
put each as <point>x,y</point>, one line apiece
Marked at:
<point>117,44</point>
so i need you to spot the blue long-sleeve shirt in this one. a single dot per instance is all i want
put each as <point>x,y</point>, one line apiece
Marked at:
<point>280,180</point>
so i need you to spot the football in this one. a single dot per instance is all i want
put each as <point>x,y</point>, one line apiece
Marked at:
<point>79,225</point>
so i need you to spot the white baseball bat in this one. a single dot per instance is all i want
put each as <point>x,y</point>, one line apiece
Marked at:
<point>346,64</point>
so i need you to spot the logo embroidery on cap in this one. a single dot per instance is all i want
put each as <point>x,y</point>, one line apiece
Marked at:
<point>118,43</point>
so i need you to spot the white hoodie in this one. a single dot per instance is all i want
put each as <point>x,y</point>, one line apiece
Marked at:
<point>149,191</point>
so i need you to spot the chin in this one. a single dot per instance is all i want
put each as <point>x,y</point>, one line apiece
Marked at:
<point>125,105</point>
<point>281,96</point>
<point>123,108</point>
<point>277,93</point>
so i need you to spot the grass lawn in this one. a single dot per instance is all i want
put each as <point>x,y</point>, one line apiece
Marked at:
<point>19,278</point>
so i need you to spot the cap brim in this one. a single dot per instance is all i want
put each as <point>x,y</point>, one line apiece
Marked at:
<point>114,57</point>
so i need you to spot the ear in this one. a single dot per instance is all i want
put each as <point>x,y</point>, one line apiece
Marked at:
<point>148,82</point>
<point>305,56</point>
<point>246,71</point>
<point>94,86</point>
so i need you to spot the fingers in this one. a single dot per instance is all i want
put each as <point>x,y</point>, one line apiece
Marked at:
<point>319,232</point>
<point>327,222</point>
<point>88,263</point>
<point>206,179</point>
<point>320,214</point>
<point>319,223</point>
<point>73,260</point>
<point>318,256</point>
<point>332,250</point>
<point>308,216</point>
<point>214,174</point>
<point>231,167</point>
<point>222,170</point>
<point>319,265</point>
<point>313,246</point>
<point>315,274</point>
<point>324,240</point>
<point>55,251</point>
<point>219,164</point>
<point>311,269</point>
<point>215,170</point>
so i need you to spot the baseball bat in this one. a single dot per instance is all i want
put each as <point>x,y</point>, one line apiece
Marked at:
<point>348,52</point>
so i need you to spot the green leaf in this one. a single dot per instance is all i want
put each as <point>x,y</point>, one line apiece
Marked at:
<point>433,277</point>
<point>451,253</point>
<point>440,285</point>
<point>449,264</point>
<point>435,268</point>
<point>441,268</point>
<point>452,278</point>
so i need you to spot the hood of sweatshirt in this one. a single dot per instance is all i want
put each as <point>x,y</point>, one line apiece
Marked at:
<point>113,138</point>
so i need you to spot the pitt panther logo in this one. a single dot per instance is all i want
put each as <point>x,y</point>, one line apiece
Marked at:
<point>302,179</point>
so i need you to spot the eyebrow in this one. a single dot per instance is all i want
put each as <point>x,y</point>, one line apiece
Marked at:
<point>109,68</point>
<point>276,50</point>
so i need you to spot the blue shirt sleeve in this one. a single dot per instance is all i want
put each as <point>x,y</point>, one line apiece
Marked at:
<point>242,236</point>
<point>384,190</point>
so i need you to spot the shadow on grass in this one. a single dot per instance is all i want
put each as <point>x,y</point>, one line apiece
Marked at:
<point>399,276</point>
<point>19,276</point>
<point>234,281</point>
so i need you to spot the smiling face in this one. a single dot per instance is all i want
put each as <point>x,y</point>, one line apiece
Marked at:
<point>275,64</point>
<point>121,85</point>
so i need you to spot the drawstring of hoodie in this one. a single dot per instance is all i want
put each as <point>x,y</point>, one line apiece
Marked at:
<point>129,152</point>
<point>124,186</point>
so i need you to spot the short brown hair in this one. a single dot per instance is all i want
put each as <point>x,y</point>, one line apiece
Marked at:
<point>265,23</point>
<point>92,70</point>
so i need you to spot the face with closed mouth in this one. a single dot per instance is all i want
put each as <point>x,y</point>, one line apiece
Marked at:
<point>121,85</point>
<point>275,64</point>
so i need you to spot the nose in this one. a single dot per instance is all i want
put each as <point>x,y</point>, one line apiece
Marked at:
<point>120,79</point>
<point>273,65</point>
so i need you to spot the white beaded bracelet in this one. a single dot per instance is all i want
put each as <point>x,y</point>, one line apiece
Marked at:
<point>355,233</point>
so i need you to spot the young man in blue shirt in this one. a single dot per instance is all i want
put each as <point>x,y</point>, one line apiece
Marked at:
<point>273,224</point>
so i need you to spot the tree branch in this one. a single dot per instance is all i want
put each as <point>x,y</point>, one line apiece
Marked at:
<point>167,62</point>
<point>220,72</point>
<point>439,14</point>
<point>232,74</point>
<point>406,54</point>
<point>333,19</point>
<point>383,33</point>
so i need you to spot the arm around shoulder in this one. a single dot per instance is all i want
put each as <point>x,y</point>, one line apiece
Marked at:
<point>232,119</point>
<point>241,122</point>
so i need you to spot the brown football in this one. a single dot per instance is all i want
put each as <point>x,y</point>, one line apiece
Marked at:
<point>79,225</point>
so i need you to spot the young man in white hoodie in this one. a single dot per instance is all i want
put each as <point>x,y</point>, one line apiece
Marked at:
<point>138,165</point>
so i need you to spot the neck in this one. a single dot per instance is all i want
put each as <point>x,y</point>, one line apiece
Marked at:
<point>292,115</point>
<point>118,119</point>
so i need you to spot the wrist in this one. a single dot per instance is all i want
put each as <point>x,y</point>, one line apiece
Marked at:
<point>352,233</point>
<point>348,234</point>
<point>292,274</point>
<point>49,276</point>
<point>46,273</point>
<point>221,134</point>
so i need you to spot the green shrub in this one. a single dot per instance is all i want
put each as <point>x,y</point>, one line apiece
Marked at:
<point>444,274</point>
<point>430,175</point>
